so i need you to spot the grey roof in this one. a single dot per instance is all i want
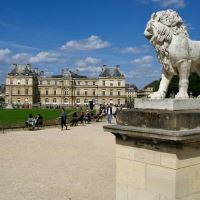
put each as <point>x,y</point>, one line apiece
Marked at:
<point>68,73</point>
<point>22,70</point>
<point>131,86</point>
<point>110,72</point>
<point>152,84</point>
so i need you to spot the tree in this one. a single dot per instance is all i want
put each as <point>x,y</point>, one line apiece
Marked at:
<point>193,88</point>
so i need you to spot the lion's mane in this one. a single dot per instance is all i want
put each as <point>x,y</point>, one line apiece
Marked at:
<point>165,24</point>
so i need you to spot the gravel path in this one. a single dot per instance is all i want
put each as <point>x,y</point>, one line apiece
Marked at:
<point>50,164</point>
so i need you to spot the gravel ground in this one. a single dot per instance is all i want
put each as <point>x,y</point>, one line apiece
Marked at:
<point>50,164</point>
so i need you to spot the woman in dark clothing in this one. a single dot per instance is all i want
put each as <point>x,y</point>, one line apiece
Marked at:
<point>63,118</point>
<point>74,121</point>
<point>81,118</point>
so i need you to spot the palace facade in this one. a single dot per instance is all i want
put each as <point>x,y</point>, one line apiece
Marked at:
<point>27,86</point>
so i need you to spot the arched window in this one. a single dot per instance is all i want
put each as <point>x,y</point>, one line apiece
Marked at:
<point>54,100</point>
<point>85,101</point>
<point>66,100</point>
<point>46,100</point>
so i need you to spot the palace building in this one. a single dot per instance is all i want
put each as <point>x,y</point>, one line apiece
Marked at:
<point>27,86</point>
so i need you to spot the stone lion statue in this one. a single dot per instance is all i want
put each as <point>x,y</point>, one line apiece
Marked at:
<point>176,52</point>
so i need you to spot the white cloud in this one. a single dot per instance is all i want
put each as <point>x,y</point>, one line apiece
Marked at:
<point>91,43</point>
<point>89,66</point>
<point>5,56</point>
<point>44,57</point>
<point>143,60</point>
<point>170,3</point>
<point>131,50</point>
<point>134,50</point>
<point>88,61</point>
<point>20,58</point>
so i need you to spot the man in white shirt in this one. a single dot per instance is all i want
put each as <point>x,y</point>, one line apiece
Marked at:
<point>109,114</point>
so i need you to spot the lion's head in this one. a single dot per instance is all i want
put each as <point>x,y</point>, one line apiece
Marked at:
<point>160,29</point>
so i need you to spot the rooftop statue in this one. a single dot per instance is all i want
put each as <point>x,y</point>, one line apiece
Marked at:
<point>176,52</point>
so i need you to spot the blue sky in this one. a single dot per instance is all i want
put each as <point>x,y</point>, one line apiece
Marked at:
<point>86,34</point>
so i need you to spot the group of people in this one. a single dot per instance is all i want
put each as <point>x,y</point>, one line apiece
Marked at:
<point>87,117</point>
<point>34,121</point>
<point>109,111</point>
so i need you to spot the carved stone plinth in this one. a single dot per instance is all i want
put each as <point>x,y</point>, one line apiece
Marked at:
<point>160,119</point>
<point>157,154</point>
<point>168,104</point>
<point>9,106</point>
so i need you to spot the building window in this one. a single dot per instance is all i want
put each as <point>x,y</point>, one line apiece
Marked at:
<point>77,100</point>
<point>52,82</point>
<point>26,91</point>
<point>103,93</point>
<point>104,83</point>
<point>47,92</point>
<point>86,92</point>
<point>54,92</point>
<point>18,82</point>
<point>86,82</point>
<point>111,93</point>
<point>118,101</point>
<point>18,91</point>
<point>54,100</point>
<point>46,100</point>
<point>26,82</point>
<point>94,83</point>
<point>66,100</point>
<point>119,83</point>
<point>66,92</point>
<point>48,82</point>
<point>93,92</point>
<point>11,82</point>
<point>111,83</point>
<point>79,82</point>
<point>78,92</point>
<point>118,93</point>
<point>40,82</point>
<point>85,100</point>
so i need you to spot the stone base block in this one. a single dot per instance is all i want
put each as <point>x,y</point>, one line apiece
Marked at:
<point>167,104</point>
<point>160,119</point>
<point>157,172</point>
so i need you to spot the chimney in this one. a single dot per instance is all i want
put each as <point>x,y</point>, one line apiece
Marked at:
<point>14,65</point>
<point>118,66</point>
<point>29,67</point>
<point>103,67</point>
<point>41,73</point>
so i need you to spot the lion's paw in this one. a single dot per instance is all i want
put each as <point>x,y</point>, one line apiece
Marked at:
<point>157,95</point>
<point>181,95</point>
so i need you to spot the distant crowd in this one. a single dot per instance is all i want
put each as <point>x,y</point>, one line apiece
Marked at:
<point>83,117</point>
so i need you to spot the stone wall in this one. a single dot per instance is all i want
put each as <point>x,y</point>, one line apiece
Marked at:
<point>147,171</point>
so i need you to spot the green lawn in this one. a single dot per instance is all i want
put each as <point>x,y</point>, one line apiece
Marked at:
<point>19,115</point>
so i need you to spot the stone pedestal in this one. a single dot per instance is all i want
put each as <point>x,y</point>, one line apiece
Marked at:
<point>157,154</point>
<point>9,106</point>
<point>149,171</point>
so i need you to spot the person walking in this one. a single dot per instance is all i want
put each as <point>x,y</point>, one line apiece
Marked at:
<point>63,118</point>
<point>109,114</point>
